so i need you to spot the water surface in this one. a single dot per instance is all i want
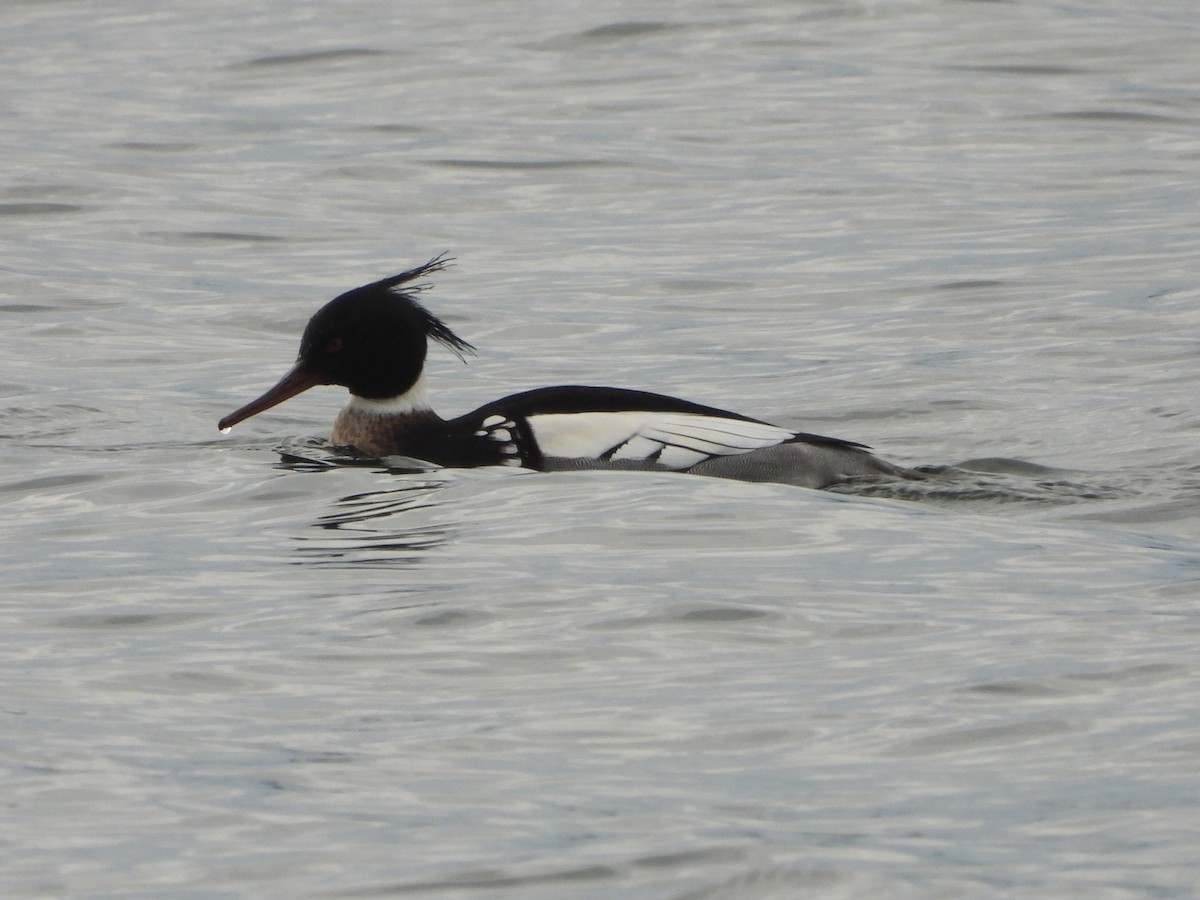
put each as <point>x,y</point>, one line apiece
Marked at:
<point>964,233</point>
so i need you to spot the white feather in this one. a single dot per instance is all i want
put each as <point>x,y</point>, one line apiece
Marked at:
<point>680,440</point>
<point>679,458</point>
<point>584,435</point>
<point>637,447</point>
<point>501,430</point>
<point>415,399</point>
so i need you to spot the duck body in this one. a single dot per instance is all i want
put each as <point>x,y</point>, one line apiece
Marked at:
<point>374,339</point>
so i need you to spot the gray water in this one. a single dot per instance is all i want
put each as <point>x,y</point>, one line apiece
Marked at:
<point>965,233</point>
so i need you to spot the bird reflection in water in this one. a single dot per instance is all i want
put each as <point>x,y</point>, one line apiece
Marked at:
<point>394,526</point>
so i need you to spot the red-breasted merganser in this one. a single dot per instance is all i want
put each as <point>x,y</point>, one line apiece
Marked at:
<point>373,340</point>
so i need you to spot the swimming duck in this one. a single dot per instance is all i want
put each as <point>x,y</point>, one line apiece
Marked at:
<point>373,340</point>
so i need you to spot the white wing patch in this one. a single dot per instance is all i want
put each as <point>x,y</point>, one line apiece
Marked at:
<point>671,440</point>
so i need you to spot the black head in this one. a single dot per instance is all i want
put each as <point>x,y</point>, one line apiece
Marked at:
<point>373,340</point>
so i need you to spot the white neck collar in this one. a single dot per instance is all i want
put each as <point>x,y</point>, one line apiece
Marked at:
<point>414,399</point>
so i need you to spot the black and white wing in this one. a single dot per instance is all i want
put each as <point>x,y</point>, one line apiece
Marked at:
<point>504,439</point>
<point>650,439</point>
<point>580,427</point>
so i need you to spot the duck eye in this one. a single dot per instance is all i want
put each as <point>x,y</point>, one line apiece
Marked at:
<point>334,345</point>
